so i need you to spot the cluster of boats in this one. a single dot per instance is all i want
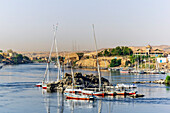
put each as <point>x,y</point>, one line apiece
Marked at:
<point>84,93</point>
<point>143,71</point>
<point>80,93</point>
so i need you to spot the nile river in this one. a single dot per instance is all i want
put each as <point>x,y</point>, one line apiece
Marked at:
<point>19,95</point>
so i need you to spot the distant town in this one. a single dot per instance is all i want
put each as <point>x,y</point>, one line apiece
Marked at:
<point>121,56</point>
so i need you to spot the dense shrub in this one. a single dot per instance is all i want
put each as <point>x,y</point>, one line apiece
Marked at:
<point>115,62</point>
<point>118,51</point>
<point>168,78</point>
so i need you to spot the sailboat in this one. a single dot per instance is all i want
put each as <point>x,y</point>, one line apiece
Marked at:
<point>125,91</point>
<point>46,80</point>
<point>76,96</point>
<point>110,89</point>
<point>99,92</point>
<point>73,89</point>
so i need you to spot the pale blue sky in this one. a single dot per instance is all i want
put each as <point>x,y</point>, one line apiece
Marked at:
<point>26,25</point>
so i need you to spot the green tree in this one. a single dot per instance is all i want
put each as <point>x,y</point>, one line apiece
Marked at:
<point>127,63</point>
<point>25,58</point>
<point>106,52</point>
<point>1,56</point>
<point>113,52</point>
<point>126,51</point>
<point>80,55</point>
<point>115,62</point>
<point>167,80</point>
<point>100,54</point>
<point>18,59</point>
<point>118,51</point>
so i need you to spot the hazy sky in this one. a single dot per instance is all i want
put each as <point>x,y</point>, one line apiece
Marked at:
<point>26,25</point>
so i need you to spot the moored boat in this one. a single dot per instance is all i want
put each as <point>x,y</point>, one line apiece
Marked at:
<point>99,93</point>
<point>70,90</point>
<point>137,95</point>
<point>125,92</point>
<point>119,92</point>
<point>38,85</point>
<point>44,86</point>
<point>142,72</point>
<point>79,97</point>
<point>125,86</point>
<point>130,92</point>
<point>124,71</point>
<point>111,93</point>
<point>95,93</point>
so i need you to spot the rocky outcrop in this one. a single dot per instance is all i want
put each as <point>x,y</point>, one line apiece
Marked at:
<point>88,81</point>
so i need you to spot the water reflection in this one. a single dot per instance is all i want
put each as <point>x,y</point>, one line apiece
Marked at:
<point>62,102</point>
<point>46,100</point>
<point>80,103</point>
<point>50,99</point>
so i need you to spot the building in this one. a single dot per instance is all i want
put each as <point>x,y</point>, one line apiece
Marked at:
<point>149,51</point>
<point>161,60</point>
<point>168,58</point>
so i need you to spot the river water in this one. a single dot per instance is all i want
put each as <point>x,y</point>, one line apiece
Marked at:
<point>18,94</point>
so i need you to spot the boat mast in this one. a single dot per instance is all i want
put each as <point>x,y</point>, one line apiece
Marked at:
<point>48,62</point>
<point>72,73</point>
<point>64,64</point>
<point>98,67</point>
<point>135,63</point>
<point>58,62</point>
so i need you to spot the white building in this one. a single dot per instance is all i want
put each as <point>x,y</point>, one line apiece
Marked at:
<point>161,60</point>
<point>168,58</point>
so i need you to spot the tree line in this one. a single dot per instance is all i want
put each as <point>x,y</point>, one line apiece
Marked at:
<point>118,51</point>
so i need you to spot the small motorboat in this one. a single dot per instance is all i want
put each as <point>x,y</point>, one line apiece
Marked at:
<point>125,86</point>
<point>44,86</point>
<point>99,93</point>
<point>95,93</point>
<point>124,71</point>
<point>75,89</point>
<point>39,85</point>
<point>142,72</point>
<point>125,92</point>
<point>162,72</point>
<point>137,95</point>
<point>70,90</point>
<point>119,92</point>
<point>111,93</point>
<point>130,92</point>
<point>78,96</point>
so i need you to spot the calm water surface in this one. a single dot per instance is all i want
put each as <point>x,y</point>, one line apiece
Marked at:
<point>18,94</point>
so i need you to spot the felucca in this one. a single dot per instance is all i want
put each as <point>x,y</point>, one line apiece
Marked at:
<point>46,79</point>
<point>73,89</point>
<point>74,94</point>
<point>99,92</point>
